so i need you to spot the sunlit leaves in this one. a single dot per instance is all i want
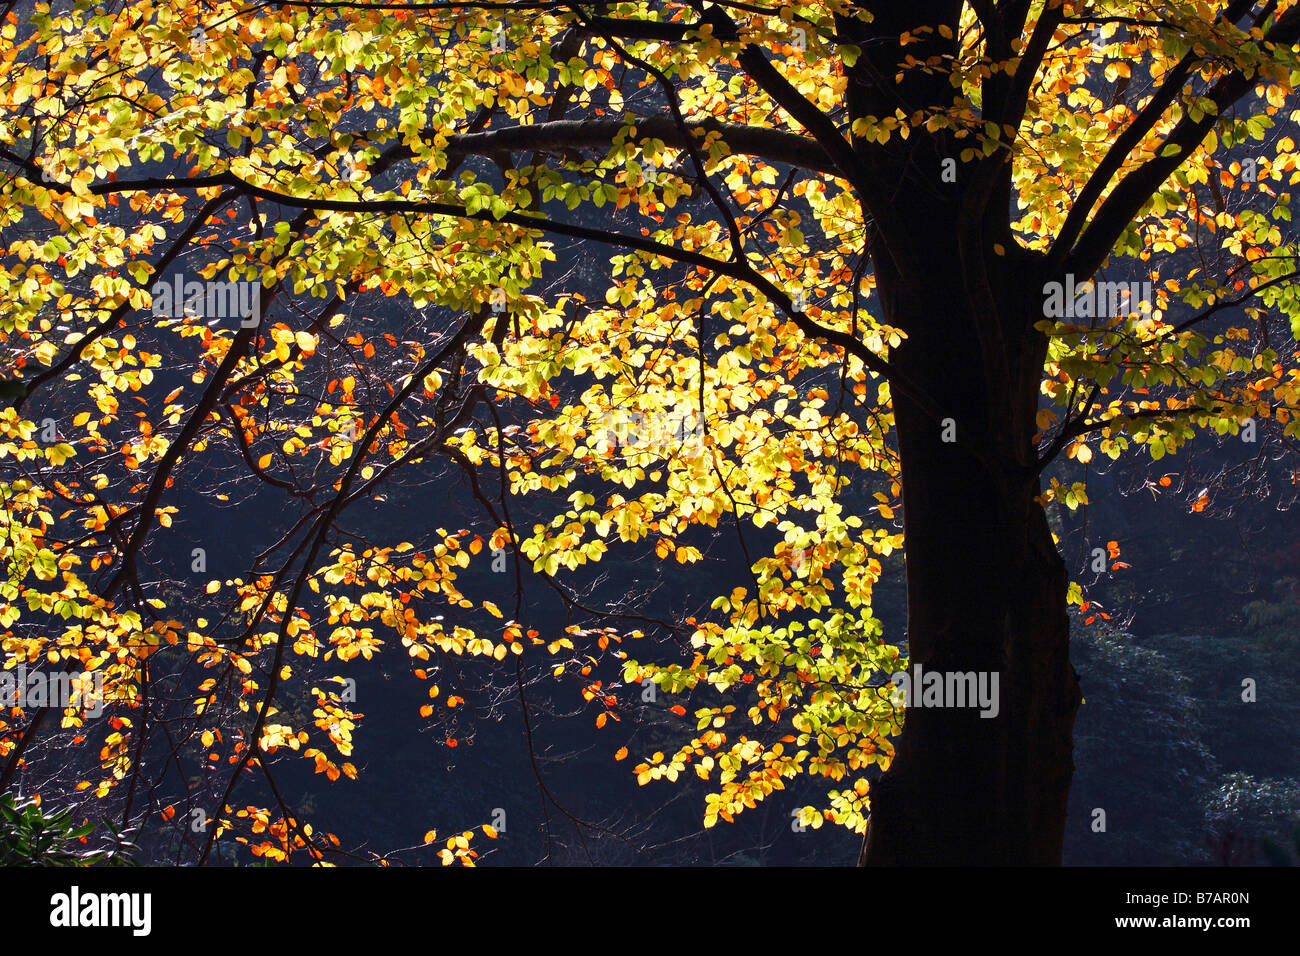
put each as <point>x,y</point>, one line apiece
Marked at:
<point>670,406</point>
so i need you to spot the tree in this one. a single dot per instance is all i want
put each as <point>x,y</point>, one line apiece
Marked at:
<point>870,275</point>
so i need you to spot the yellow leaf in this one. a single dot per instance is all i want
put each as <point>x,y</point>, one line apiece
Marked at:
<point>60,453</point>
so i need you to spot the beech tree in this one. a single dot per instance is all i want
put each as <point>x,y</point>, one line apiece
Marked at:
<point>873,274</point>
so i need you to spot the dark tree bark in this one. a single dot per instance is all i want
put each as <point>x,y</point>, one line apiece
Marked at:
<point>986,586</point>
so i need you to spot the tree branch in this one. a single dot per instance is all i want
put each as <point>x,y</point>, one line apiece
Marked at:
<point>770,144</point>
<point>1124,203</point>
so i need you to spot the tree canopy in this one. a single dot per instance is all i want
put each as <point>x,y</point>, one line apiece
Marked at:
<point>624,274</point>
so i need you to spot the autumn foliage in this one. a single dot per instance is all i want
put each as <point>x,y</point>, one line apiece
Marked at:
<point>407,186</point>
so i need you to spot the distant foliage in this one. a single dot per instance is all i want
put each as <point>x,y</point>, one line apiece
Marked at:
<point>1139,755</point>
<point>31,836</point>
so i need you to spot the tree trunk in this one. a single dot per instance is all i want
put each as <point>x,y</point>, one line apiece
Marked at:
<point>986,586</point>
